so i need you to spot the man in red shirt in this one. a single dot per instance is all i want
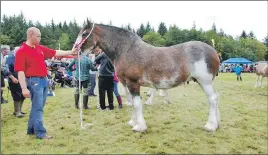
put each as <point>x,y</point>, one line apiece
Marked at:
<point>31,68</point>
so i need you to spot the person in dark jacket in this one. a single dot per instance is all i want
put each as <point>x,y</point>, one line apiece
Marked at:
<point>14,85</point>
<point>106,78</point>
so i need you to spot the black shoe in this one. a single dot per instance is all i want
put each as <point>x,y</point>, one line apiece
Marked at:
<point>76,100</point>
<point>85,102</point>
<point>120,106</point>
<point>20,112</point>
<point>111,106</point>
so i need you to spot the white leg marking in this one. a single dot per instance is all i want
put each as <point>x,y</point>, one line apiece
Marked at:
<point>204,78</point>
<point>161,93</point>
<point>214,113</point>
<point>257,80</point>
<point>166,101</point>
<point>133,120</point>
<point>141,124</point>
<point>150,100</point>
<point>129,98</point>
<point>261,82</point>
<point>149,92</point>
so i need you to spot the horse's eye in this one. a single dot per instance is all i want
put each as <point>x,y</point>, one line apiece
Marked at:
<point>84,34</point>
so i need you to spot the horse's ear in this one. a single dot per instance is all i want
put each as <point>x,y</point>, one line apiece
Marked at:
<point>88,23</point>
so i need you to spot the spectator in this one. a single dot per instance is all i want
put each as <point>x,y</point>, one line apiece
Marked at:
<point>105,78</point>
<point>238,70</point>
<point>92,75</point>
<point>29,63</point>
<point>14,86</point>
<point>4,53</point>
<point>85,65</point>
<point>116,93</point>
<point>59,77</point>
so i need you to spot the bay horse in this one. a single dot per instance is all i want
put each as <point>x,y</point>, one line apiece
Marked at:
<point>140,64</point>
<point>261,70</point>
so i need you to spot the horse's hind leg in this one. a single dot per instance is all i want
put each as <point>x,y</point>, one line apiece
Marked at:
<point>214,114</point>
<point>161,93</point>
<point>150,100</point>
<point>149,92</point>
<point>167,101</point>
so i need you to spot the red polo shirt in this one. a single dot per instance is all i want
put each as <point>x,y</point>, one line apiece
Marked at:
<point>31,60</point>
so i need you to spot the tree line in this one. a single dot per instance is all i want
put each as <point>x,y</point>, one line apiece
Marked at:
<point>63,34</point>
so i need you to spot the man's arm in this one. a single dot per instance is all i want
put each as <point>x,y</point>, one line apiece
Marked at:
<point>63,53</point>
<point>22,80</point>
<point>92,66</point>
<point>7,67</point>
<point>69,67</point>
<point>49,53</point>
<point>98,59</point>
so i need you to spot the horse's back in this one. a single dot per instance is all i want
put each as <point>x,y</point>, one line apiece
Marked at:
<point>262,69</point>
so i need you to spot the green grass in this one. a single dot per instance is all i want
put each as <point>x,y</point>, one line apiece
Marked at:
<point>173,128</point>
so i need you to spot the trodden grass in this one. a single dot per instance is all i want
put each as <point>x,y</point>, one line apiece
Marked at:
<point>173,128</point>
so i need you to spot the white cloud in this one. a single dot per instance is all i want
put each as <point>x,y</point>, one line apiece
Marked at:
<point>232,17</point>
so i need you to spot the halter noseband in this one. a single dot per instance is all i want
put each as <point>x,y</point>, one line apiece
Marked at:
<point>79,45</point>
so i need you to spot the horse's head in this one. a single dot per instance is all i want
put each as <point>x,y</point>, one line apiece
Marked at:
<point>87,38</point>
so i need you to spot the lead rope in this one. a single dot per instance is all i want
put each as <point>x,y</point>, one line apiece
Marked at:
<point>79,82</point>
<point>80,95</point>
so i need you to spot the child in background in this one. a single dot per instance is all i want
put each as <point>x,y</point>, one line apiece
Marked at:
<point>238,70</point>
<point>118,97</point>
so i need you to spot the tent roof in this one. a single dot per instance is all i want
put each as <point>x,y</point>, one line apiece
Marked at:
<point>237,61</point>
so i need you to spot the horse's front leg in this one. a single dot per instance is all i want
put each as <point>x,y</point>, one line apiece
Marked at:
<point>129,97</point>
<point>150,100</point>
<point>140,124</point>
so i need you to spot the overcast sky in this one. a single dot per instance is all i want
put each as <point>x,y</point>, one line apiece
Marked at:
<point>232,17</point>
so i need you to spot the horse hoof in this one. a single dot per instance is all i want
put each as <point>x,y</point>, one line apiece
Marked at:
<point>139,128</point>
<point>167,102</point>
<point>148,103</point>
<point>210,127</point>
<point>131,123</point>
<point>128,103</point>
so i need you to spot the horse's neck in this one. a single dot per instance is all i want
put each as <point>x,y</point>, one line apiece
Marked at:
<point>115,45</point>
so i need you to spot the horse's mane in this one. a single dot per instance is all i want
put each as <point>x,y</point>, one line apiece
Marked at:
<point>122,31</point>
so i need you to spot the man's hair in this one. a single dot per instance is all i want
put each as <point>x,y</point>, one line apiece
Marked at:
<point>4,48</point>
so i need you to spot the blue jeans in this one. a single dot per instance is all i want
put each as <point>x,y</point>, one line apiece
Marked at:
<point>116,89</point>
<point>38,88</point>
<point>92,83</point>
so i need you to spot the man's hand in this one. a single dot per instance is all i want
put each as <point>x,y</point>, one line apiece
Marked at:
<point>75,52</point>
<point>26,93</point>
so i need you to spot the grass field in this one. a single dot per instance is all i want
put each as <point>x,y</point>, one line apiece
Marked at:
<point>173,128</point>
